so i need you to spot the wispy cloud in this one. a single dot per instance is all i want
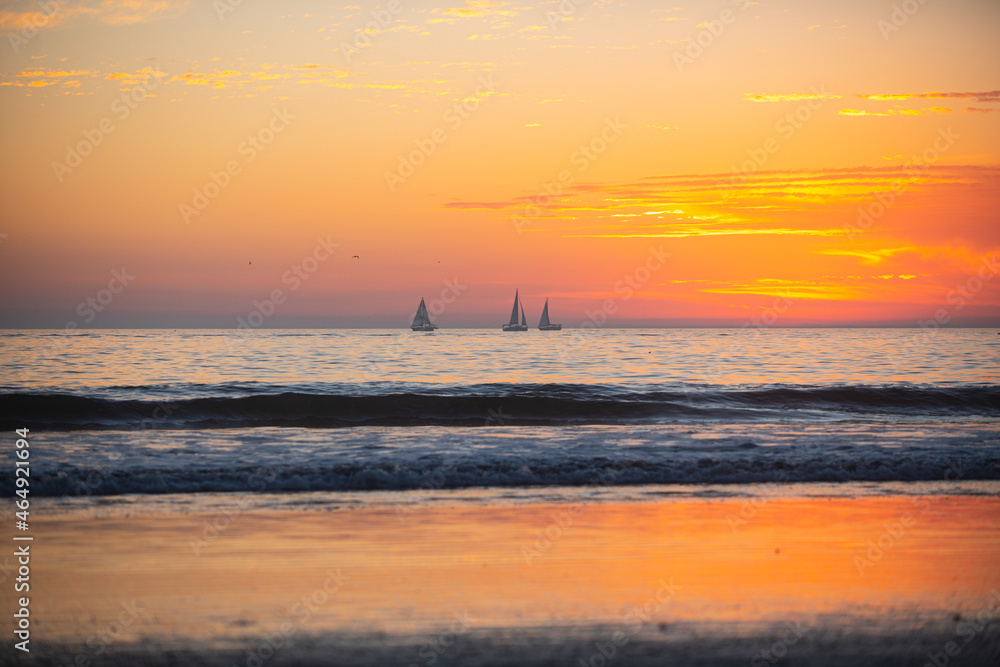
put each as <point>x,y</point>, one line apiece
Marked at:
<point>792,97</point>
<point>925,111</point>
<point>675,232</point>
<point>806,204</point>
<point>20,13</point>
<point>40,77</point>
<point>868,257</point>
<point>987,96</point>
<point>791,289</point>
<point>479,8</point>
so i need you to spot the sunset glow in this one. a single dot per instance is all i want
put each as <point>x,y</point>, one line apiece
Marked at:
<point>837,157</point>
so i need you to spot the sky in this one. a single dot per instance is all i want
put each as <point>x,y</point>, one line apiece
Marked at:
<point>168,163</point>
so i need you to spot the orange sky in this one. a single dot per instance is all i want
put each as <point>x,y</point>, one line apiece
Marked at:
<point>554,147</point>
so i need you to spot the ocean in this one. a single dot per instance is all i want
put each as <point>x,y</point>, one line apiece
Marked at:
<point>542,482</point>
<point>188,411</point>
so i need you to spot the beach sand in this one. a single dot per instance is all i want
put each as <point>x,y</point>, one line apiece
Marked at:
<point>757,580</point>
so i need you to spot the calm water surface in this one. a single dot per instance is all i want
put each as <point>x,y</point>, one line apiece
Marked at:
<point>56,360</point>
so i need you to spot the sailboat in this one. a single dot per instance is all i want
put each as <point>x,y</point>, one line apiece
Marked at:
<point>422,321</point>
<point>544,324</point>
<point>513,325</point>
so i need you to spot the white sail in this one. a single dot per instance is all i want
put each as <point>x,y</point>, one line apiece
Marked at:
<point>544,322</point>
<point>513,312</point>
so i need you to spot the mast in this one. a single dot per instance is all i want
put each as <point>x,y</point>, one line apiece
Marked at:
<point>513,313</point>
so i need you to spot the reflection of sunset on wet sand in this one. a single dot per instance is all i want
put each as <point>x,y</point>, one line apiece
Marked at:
<point>728,566</point>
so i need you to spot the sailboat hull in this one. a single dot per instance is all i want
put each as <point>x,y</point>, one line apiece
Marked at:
<point>515,327</point>
<point>550,327</point>
<point>423,327</point>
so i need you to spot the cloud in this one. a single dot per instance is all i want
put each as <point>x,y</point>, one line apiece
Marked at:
<point>675,232</point>
<point>56,73</point>
<point>39,77</point>
<point>794,97</point>
<point>496,205</point>
<point>790,289</point>
<point>19,14</point>
<point>859,112</point>
<point>982,97</point>
<point>924,111</point>
<point>810,205</point>
<point>478,8</point>
<point>868,257</point>
<point>987,96</point>
<point>305,73</point>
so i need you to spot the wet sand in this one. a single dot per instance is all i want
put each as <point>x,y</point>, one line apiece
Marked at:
<point>734,581</point>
